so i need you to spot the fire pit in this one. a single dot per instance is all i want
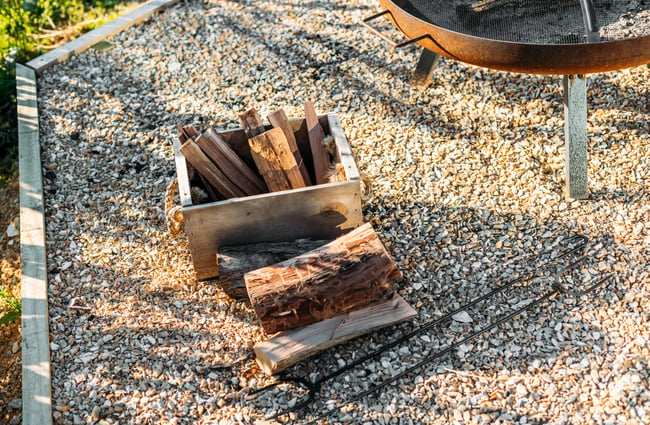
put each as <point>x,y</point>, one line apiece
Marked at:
<point>562,37</point>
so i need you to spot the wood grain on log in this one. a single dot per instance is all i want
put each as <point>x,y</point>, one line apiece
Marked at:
<point>278,141</point>
<point>279,119</point>
<point>235,261</point>
<point>209,171</point>
<point>268,162</point>
<point>346,274</point>
<point>252,123</point>
<point>288,348</point>
<point>229,163</point>
<point>316,135</point>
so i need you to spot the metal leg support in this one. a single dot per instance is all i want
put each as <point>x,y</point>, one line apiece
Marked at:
<point>424,69</point>
<point>575,133</point>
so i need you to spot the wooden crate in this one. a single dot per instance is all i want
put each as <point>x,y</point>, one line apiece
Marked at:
<point>317,212</point>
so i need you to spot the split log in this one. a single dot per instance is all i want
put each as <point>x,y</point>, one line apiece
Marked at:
<point>316,135</point>
<point>268,162</point>
<point>288,348</point>
<point>235,261</point>
<point>276,138</point>
<point>229,163</point>
<point>279,119</point>
<point>346,274</point>
<point>252,123</point>
<point>191,132</point>
<point>195,156</point>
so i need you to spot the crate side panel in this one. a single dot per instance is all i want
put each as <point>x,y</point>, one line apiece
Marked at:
<point>316,212</point>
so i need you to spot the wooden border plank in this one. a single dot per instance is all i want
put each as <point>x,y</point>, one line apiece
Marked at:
<point>37,382</point>
<point>89,39</point>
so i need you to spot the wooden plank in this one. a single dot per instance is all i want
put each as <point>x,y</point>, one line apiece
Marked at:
<point>233,158</point>
<point>184,192</point>
<point>207,169</point>
<point>288,348</point>
<point>279,119</point>
<point>235,261</point>
<point>344,275</point>
<point>318,152</point>
<point>316,212</point>
<point>230,170</point>
<point>343,150</point>
<point>37,395</point>
<point>268,163</point>
<point>91,38</point>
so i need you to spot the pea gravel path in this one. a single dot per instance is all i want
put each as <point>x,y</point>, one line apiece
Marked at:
<point>467,191</point>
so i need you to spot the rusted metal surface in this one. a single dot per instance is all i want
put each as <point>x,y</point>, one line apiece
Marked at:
<point>558,59</point>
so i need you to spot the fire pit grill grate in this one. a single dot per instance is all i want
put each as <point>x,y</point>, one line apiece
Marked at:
<point>534,21</point>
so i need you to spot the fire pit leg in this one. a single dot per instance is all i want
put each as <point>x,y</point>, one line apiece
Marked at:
<point>424,69</point>
<point>575,133</point>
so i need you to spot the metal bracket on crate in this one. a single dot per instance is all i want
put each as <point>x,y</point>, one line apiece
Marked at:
<point>578,243</point>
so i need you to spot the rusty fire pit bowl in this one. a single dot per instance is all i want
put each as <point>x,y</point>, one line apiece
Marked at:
<point>530,36</point>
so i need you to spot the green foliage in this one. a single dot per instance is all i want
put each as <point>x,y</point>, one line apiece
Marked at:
<point>10,303</point>
<point>27,28</point>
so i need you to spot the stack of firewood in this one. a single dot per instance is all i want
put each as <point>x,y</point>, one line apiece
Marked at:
<point>275,153</point>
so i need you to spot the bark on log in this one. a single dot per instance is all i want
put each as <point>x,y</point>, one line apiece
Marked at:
<point>235,261</point>
<point>279,119</point>
<point>238,172</point>
<point>316,135</point>
<point>209,171</point>
<point>268,163</point>
<point>252,123</point>
<point>344,275</point>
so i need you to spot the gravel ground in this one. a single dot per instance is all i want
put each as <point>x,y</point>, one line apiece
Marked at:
<point>467,192</point>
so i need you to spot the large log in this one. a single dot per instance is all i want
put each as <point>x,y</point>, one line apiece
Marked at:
<point>343,275</point>
<point>268,163</point>
<point>288,348</point>
<point>279,119</point>
<point>235,261</point>
<point>318,151</point>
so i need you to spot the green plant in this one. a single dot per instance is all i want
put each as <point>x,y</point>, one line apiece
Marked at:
<point>10,303</point>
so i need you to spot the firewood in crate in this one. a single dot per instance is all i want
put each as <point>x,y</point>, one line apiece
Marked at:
<point>229,163</point>
<point>191,132</point>
<point>252,123</point>
<point>343,275</point>
<point>316,135</point>
<point>235,261</point>
<point>195,156</point>
<point>270,164</point>
<point>279,119</point>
